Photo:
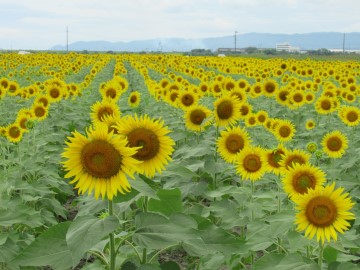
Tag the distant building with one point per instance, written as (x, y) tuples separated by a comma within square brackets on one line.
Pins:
[(24, 52), (224, 50), (286, 47)]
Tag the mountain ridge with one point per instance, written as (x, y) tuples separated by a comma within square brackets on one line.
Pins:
[(305, 41)]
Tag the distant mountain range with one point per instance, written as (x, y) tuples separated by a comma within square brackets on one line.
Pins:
[(309, 41)]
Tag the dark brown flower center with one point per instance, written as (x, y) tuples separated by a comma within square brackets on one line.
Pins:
[(334, 144), (234, 143), (147, 140), (252, 163), (225, 109), (100, 159), (197, 117), (321, 211), (302, 181)]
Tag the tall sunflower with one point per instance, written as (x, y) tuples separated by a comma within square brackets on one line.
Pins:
[(251, 164), (227, 110), (14, 133), (334, 144), (323, 211), (186, 99), (301, 177), (231, 142), (151, 136), (197, 117), (99, 162), (273, 158)]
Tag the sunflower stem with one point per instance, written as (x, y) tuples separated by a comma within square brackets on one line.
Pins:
[(251, 199), (144, 256), (279, 199), (145, 204), (321, 253), (112, 239)]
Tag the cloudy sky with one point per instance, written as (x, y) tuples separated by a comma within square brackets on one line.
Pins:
[(41, 24)]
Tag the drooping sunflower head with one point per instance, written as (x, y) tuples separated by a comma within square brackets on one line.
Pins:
[(323, 211), (227, 110), (301, 177), (231, 142), (197, 117), (334, 144), (152, 137), (99, 162), (251, 164)]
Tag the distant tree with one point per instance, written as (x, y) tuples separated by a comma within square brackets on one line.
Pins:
[(270, 51), (251, 50)]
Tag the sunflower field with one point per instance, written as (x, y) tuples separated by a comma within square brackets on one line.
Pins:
[(168, 162)]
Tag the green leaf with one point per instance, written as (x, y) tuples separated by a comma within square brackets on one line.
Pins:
[(330, 254), (170, 266), (174, 169), (128, 196), (50, 248), (149, 267), (86, 231), (268, 261), (170, 202), (143, 188)]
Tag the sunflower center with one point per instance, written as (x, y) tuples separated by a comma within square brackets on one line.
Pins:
[(298, 98), (225, 109), (234, 143), (100, 159), (39, 111), (352, 116), (275, 157), (14, 132), (133, 99), (293, 160), (252, 163), (22, 123), (261, 118), (321, 211), (44, 101), (284, 131), (326, 104), (334, 144), (244, 110), (147, 139), (111, 93), (269, 87), (187, 100), (283, 95), (197, 117), (174, 96), (104, 111), (302, 182), (54, 93)]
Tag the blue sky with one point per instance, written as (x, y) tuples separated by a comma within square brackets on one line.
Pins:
[(41, 24)]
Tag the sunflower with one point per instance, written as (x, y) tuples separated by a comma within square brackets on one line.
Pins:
[(273, 158), (245, 110), (324, 105), (334, 144), (134, 99), (99, 162), (296, 98), (14, 133), (231, 142), (227, 110), (251, 164), (151, 136), (197, 117), (251, 120), (323, 211), (282, 96), (39, 111), (261, 117), (270, 87), (284, 131), (104, 108), (186, 99), (350, 115), (54, 92), (301, 177), (111, 90), (310, 124), (292, 157)]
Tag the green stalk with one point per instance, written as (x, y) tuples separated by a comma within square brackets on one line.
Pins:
[(321, 253), (112, 239)]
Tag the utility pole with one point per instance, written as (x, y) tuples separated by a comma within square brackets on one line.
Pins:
[(235, 40), (344, 43), (67, 38)]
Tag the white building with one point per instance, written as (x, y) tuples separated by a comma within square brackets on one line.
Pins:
[(286, 47)]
